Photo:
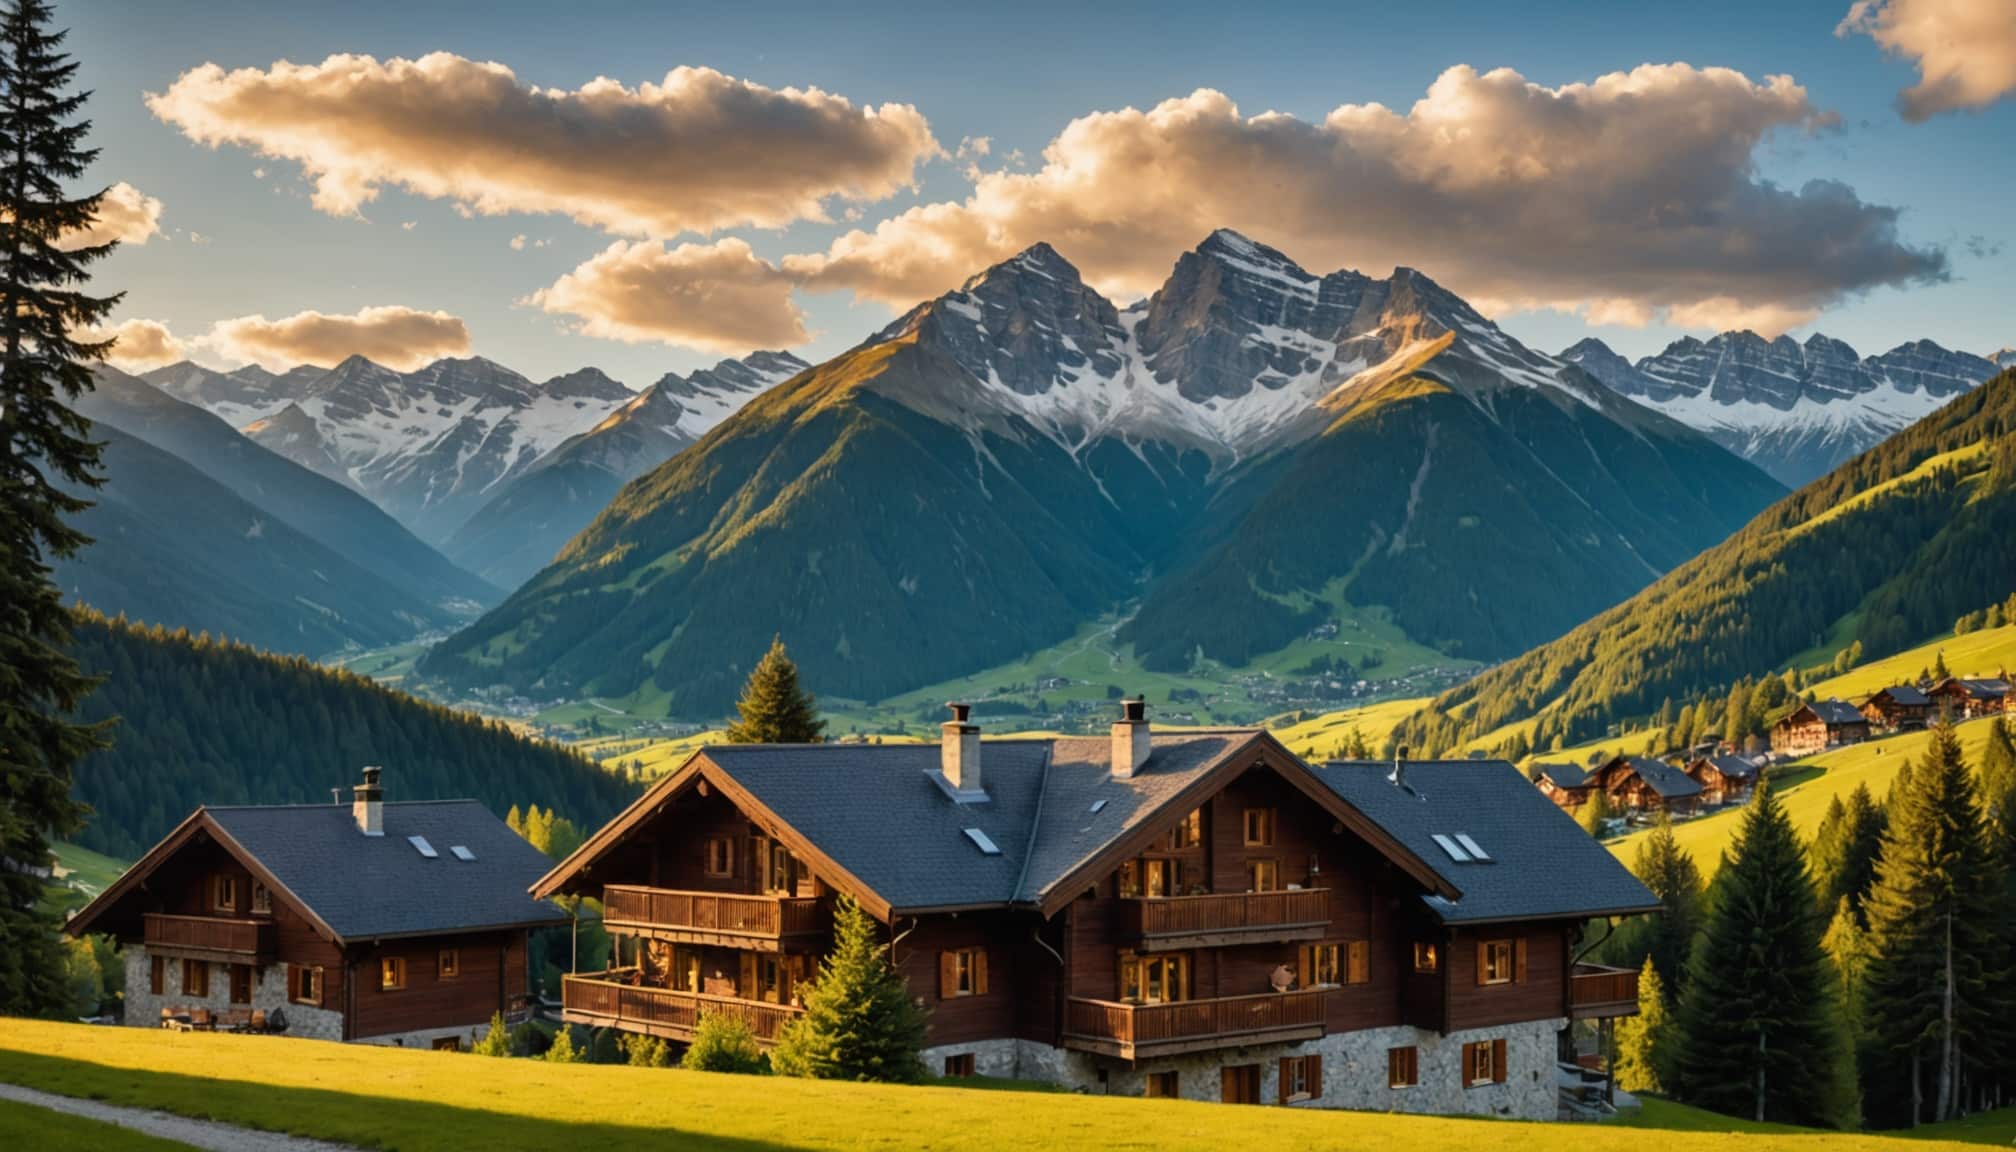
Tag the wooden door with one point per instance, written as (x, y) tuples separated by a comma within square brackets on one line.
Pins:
[(1240, 1084)]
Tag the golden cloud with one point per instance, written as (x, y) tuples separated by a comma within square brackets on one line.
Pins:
[(141, 344), (720, 297), (1965, 50), (398, 338), (126, 214)]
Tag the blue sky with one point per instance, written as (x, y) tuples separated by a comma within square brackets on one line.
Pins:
[(1018, 75)]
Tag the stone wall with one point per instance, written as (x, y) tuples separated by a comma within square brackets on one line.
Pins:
[(465, 1035), (269, 993), (1354, 1070)]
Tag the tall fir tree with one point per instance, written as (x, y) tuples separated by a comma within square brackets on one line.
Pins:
[(1668, 938), (773, 708), (1932, 988), (1998, 765), (1760, 1029), (1845, 849), (42, 443), (859, 1022), (1645, 1041), (1595, 813)]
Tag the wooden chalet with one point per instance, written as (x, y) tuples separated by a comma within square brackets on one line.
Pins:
[(1817, 727), (1963, 698), (401, 923), (1639, 784), (1898, 708), (1565, 784), (1724, 779), (1196, 913)]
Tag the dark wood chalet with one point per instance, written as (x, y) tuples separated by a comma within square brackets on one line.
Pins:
[(399, 923), (1817, 727), (1565, 784), (1898, 708), (1963, 698), (1724, 779), (1640, 784), (1194, 913)]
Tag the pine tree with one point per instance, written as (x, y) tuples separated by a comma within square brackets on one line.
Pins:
[(859, 1022), (1595, 813), (1760, 1033), (1644, 1041), (564, 1050), (1935, 947), (1671, 875), (1998, 765), (1848, 946), (1845, 848), (773, 708), (42, 443), (495, 1042)]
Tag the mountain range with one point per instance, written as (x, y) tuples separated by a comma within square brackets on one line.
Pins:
[(1004, 462), (1794, 409)]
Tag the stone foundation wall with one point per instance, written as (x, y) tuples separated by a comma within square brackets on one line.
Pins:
[(269, 994), (465, 1035)]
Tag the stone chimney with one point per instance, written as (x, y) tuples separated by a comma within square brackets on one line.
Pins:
[(959, 752), (1398, 777), (1130, 738), (368, 805)]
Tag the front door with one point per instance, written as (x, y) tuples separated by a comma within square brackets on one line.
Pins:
[(1240, 1084)]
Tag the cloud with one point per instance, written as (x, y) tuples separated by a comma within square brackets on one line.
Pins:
[(1632, 195), (719, 297), (142, 344), (1965, 50), (697, 152), (126, 214), (521, 242), (399, 338)]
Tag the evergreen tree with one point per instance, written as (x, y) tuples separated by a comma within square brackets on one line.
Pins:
[(42, 444), (564, 1050), (1848, 946), (773, 708), (722, 1042), (1845, 849), (495, 1042), (1670, 873), (1998, 765), (1644, 1041), (1760, 1033), (646, 1051), (859, 1022), (1595, 813), (1935, 947)]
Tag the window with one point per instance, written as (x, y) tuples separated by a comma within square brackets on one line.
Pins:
[(1301, 1078), (1161, 1085), (1154, 979), (1259, 827), (392, 973), (780, 873), (721, 856), (157, 974), (1403, 1067), (1151, 877), (262, 900), (1501, 961), (449, 965), (1347, 963), (1425, 958), (685, 973), (959, 1064), (307, 984), (962, 972), (775, 975), (195, 978), (1263, 875), (447, 1044), (1189, 834), (241, 983), (1484, 1063), (224, 893)]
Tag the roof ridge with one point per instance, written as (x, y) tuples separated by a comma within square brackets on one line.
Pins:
[(331, 804)]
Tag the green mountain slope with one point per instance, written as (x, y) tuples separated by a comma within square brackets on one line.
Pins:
[(216, 723), (1887, 549)]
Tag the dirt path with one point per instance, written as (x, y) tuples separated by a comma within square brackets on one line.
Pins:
[(207, 1134)]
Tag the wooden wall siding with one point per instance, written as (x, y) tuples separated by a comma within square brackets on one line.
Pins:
[(1541, 996), (958, 1020), (428, 1000)]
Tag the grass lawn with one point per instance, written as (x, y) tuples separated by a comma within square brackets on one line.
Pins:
[(1979, 653), (1322, 737), (24, 1126), (1671, 1117), (417, 1101)]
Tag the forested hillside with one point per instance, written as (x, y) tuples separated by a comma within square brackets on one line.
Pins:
[(207, 722), (1887, 549)]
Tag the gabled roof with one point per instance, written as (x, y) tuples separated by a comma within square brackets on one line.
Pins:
[(1734, 767), (1984, 688), (1564, 776), (1669, 782), (1542, 864), (358, 887), (1907, 695), (1827, 712)]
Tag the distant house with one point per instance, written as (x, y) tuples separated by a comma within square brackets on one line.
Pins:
[(1817, 727), (1898, 708), (385, 923), (1723, 779), (1639, 784), (1966, 699), (1565, 784)]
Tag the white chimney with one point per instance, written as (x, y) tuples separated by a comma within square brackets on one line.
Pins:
[(959, 752), (368, 806), (1131, 742)]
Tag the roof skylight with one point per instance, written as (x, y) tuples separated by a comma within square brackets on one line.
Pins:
[(462, 853), (1447, 845), (1471, 847), (421, 846), (981, 841)]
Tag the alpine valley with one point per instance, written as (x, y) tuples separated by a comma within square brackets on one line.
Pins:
[(1245, 456)]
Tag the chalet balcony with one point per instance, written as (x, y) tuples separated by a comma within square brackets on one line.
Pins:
[(221, 938), (1596, 991), (1139, 1031), (607, 999), (1167, 923), (753, 923)]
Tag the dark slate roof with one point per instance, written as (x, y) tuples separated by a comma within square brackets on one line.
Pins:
[(1542, 863), (372, 886), (1905, 694), (1982, 687), (1562, 775), (1837, 712), (1669, 782), (1734, 767)]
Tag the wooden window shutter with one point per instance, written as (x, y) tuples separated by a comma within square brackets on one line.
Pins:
[(1483, 956), (1498, 1061), (1282, 1080), (948, 975), (979, 971), (1313, 1066), (1519, 960), (745, 987), (1305, 965), (1358, 962)]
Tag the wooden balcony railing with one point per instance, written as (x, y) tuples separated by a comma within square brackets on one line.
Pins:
[(712, 915), (1136, 1030), (1595, 990), (222, 936), (607, 998), (1232, 917)]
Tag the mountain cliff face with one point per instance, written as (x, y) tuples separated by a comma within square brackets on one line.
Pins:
[(1004, 462), (523, 526), (1795, 410)]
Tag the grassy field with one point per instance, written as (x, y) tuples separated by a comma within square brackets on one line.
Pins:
[(87, 871), (417, 1101), (23, 1126), (1981, 653), (1322, 737)]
